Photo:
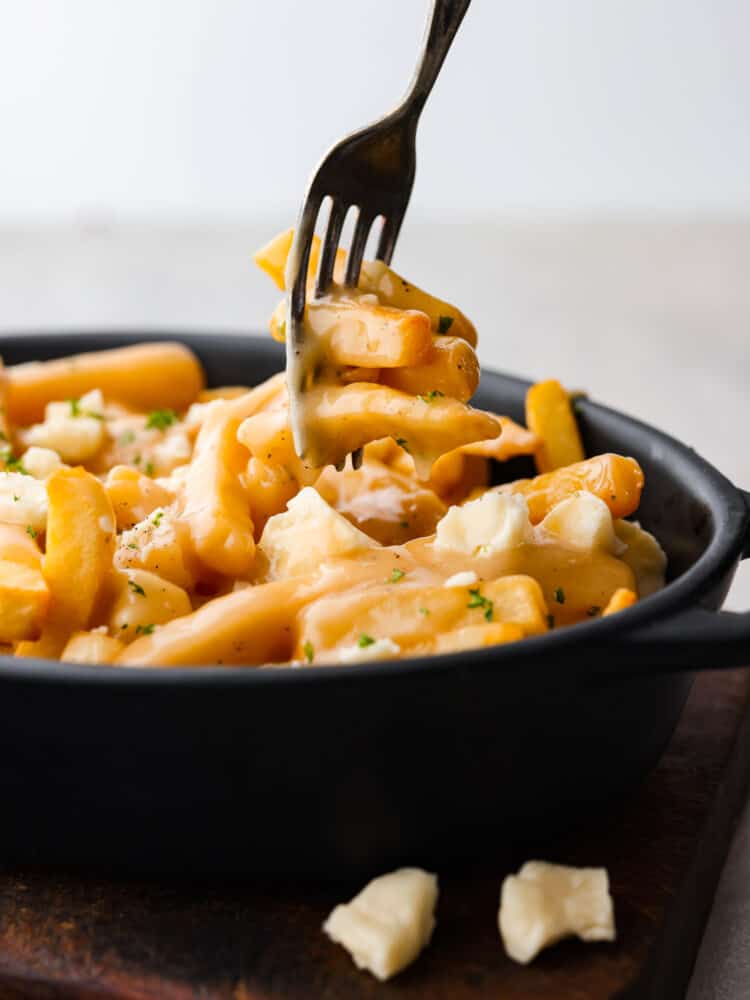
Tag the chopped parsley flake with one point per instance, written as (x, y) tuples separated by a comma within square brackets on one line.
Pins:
[(593, 611), (403, 524), (16, 498), (444, 324), (550, 621), (478, 600), (149, 468), (559, 595), (308, 650), (396, 575), (430, 396), (365, 640), (75, 407), (13, 464), (31, 531), (156, 519), (161, 419), (403, 443), (136, 588), (132, 545), (126, 438), (424, 611), (144, 629)]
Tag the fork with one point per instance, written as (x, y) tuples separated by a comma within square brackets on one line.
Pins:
[(373, 171)]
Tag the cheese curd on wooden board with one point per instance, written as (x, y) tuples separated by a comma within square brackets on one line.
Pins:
[(146, 520)]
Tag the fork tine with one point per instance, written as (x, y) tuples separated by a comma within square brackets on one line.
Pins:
[(357, 249), (388, 236), (330, 246)]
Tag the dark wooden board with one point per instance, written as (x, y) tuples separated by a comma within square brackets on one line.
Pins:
[(66, 935)]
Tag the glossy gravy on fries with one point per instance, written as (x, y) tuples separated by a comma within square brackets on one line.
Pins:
[(146, 520)]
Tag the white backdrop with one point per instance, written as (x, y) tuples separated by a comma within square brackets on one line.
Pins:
[(217, 109)]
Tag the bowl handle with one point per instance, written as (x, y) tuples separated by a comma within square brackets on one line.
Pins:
[(698, 638)]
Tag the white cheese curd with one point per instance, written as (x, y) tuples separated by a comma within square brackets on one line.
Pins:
[(544, 903), (174, 450), (381, 649), (40, 462), (74, 429), (583, 520), (465, 579), (308, 533), (388, 923), (644, 555), (23, 500), (197, 412), (493, 523)]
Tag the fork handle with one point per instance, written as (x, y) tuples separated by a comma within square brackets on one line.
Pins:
[(445, 18)]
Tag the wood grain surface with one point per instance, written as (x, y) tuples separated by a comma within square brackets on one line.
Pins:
[(92, 935)]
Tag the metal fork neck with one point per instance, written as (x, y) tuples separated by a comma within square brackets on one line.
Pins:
[(444, 21)]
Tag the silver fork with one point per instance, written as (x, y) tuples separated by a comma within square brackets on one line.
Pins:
[(372, 170)]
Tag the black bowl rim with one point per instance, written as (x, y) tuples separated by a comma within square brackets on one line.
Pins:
[(728, 510)]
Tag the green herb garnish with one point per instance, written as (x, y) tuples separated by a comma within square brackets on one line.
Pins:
[(478, 600), (593, 611), (550, 621), (126, 438), (13, 464), (75, 407), (430, 396), (424, 611), (31, 531), (144, 629), (157, 517), (365, 640), (396, 575), (308, 650), (444, 324), (559, 595), (136, 588), (149, 468), (161, 419), (403, 443)]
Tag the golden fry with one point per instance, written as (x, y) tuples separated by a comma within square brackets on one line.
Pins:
[(617, 480), (550, 416), (621, 599), (452, 368), (144, 377)]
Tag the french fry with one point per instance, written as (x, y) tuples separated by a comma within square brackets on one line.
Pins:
[(250, 626), (78, 559), (472, 637), (133, 495), (617, 480), (271, 258), (144, 376), (91, 647), (621, 599), (550, 416), (142, 601), (268, 437), (412, 616), (363, 333), (340, 420), (393, 290), (215, 502), (269, 489), (24, 598), (452, 368)]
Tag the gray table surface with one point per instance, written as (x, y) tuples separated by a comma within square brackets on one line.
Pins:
[(654, 319)]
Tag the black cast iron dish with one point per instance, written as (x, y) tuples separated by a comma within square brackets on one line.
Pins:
[(332, 771)]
